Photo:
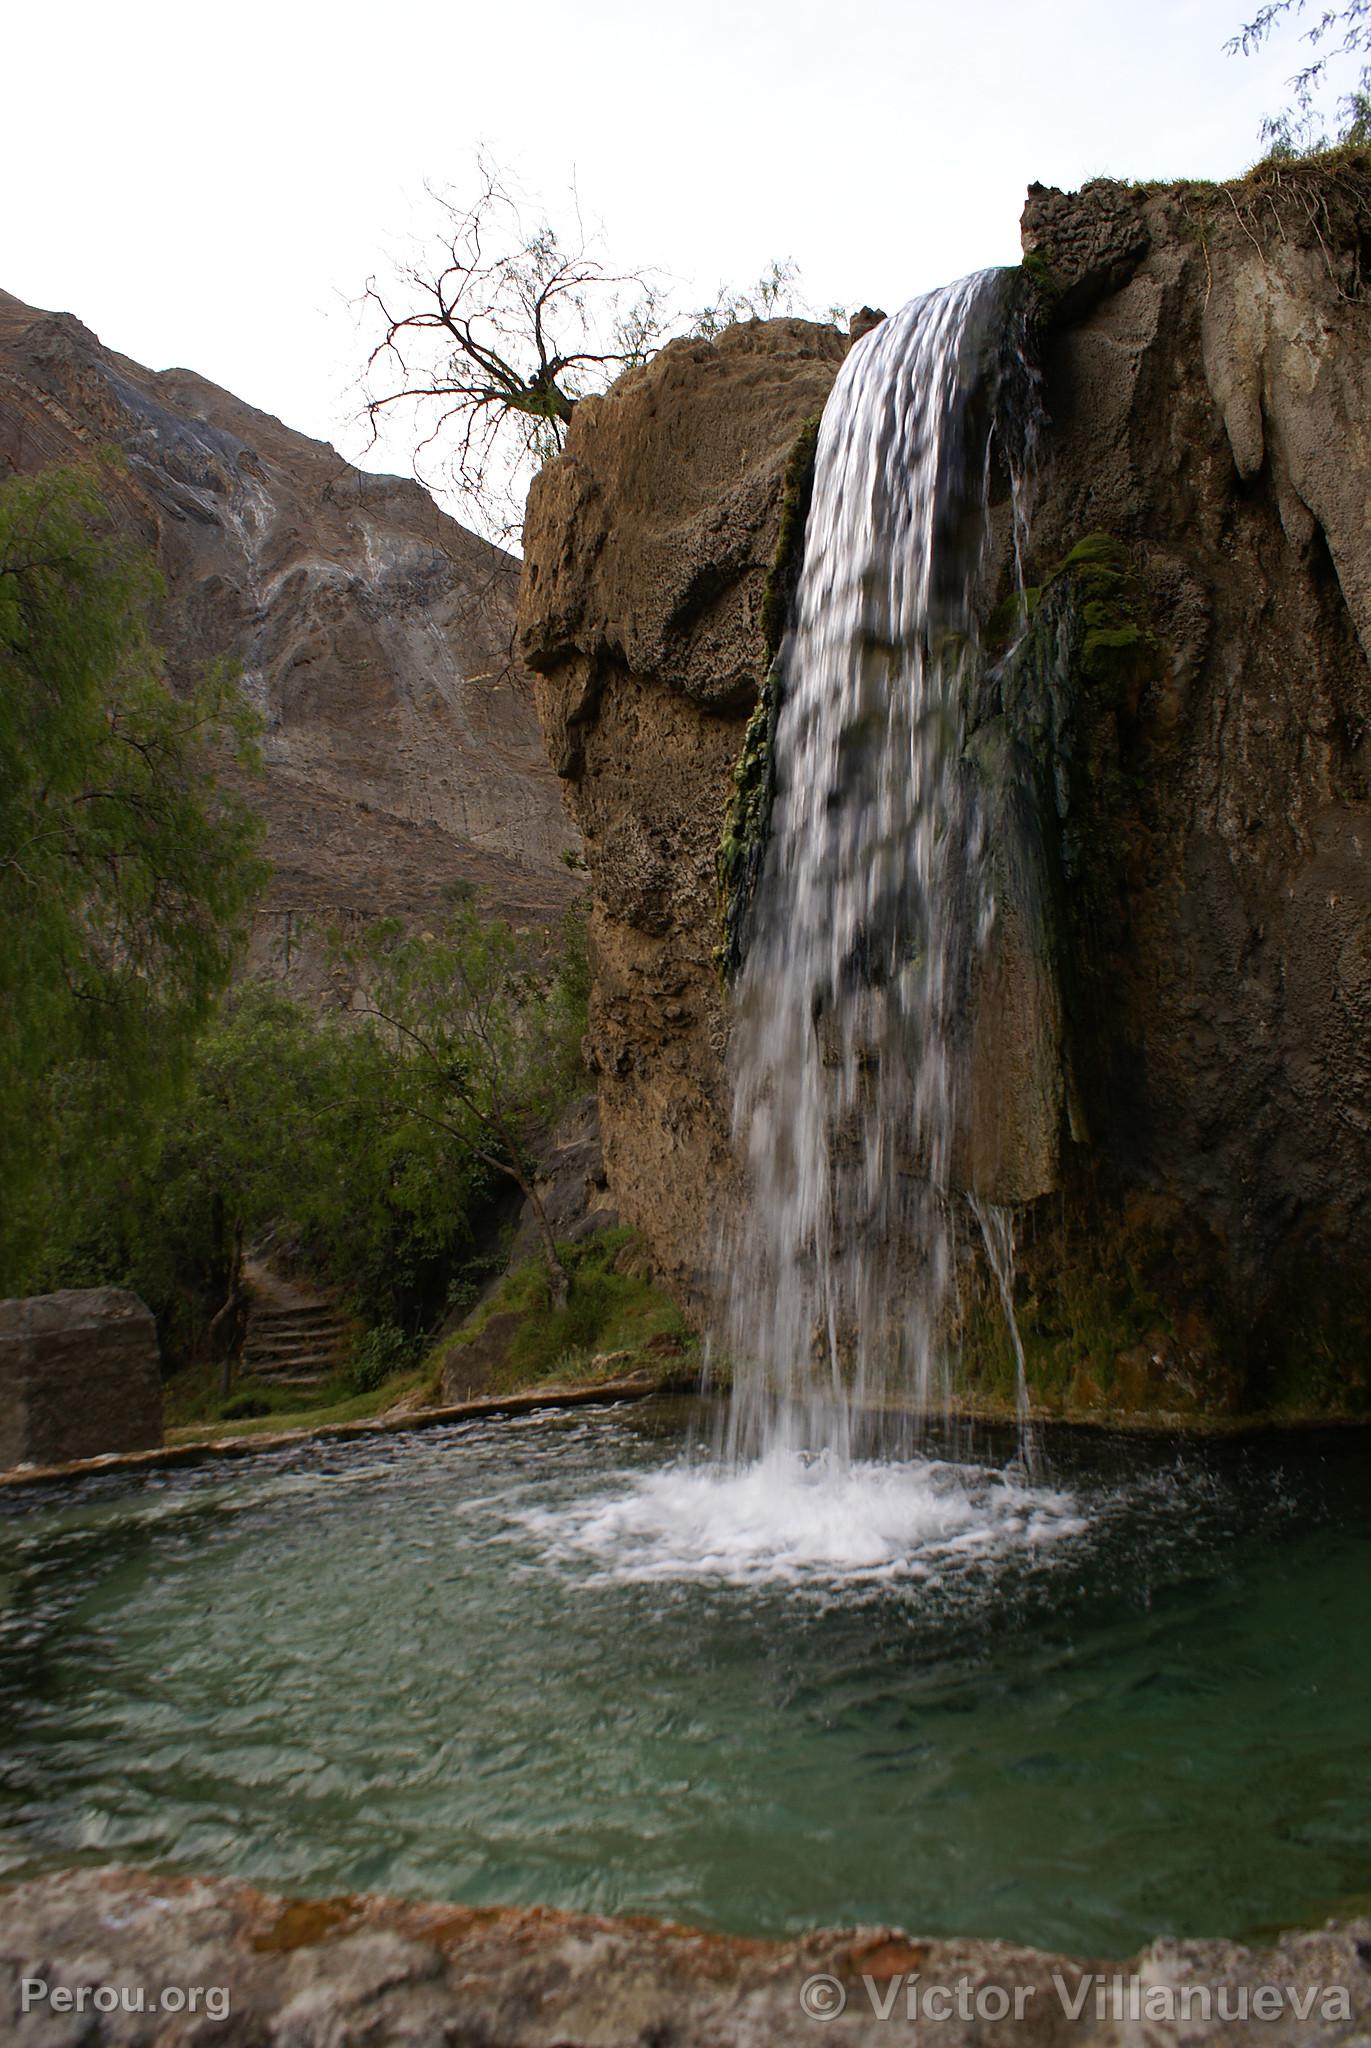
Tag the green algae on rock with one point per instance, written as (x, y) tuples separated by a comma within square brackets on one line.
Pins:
[(746, 829)]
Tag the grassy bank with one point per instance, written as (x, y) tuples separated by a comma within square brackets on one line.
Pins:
[(616, 1322)]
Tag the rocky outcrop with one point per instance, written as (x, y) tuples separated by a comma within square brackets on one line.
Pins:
[(570, 1182), (374, 633), (1208, 380), (647, 547), (80, 1375), (110, 1957), (1201, 538)]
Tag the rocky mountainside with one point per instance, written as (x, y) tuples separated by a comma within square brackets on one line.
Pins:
[(373, 631), (1199, 755)]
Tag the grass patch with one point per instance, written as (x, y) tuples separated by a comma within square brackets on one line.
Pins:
[(191, 1406), (614, 1307), (614, 1313)]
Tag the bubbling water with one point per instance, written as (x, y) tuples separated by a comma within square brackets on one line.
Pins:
[(814, 1522), (850, 1044)]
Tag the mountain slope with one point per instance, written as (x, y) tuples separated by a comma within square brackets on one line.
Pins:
[(374, 634)]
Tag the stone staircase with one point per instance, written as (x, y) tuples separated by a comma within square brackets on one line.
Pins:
[(295, 1336)]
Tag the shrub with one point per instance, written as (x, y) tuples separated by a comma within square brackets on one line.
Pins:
[(378, 1355)]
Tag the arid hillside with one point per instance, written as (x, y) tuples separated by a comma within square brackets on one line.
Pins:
[(373, 632)]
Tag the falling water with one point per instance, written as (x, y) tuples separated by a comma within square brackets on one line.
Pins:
[(851, 1046)]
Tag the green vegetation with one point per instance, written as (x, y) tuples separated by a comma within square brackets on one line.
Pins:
[(747, 827), (1117, 1312), (1116, 645), (1297, 129), (279, 1124), (155, 1121), (614, 1311), (616, 1321), (486, 1046), (1096, 1309), (349, 1138), (193, 1409), (797, 489), (1077, 655), (126, 871)]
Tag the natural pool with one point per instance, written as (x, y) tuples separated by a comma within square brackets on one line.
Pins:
[(552, 1660)]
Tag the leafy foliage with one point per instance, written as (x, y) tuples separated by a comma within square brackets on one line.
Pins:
[(126, 871), (1336, 32), (335, 1134), (282, 1126), (775, 295), (380, 1353), (486, 1039)]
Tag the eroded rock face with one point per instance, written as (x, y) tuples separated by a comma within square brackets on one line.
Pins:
[(80, 1375), (373, 631), (343, 1972), (1212, 410), (647, 546), (1207, 364)]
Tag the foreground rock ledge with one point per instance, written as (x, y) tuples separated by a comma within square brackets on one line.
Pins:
[(327, 1973)]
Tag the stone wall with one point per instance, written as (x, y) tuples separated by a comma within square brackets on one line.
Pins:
[(79, 1376)]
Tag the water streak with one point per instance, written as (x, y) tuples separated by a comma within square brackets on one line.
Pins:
[(851, 1049)]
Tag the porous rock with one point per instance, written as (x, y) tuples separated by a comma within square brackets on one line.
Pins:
[(79, 1376), (1206, 360), (357, 1972), (647, 545)]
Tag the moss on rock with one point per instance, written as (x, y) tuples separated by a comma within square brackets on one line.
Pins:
[(616, 1319), (747, 827)]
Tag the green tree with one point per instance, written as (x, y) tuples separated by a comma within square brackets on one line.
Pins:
[(1333, 33), (127, 871), (285, 1124), (487, 1040)]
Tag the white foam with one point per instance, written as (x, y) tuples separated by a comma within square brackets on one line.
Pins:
[(793, 1519)]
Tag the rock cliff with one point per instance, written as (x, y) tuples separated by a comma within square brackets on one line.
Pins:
[(1201, 550), (648, 543), (374, 633)]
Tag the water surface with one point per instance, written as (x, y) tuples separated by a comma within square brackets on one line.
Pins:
[(555, 1660)]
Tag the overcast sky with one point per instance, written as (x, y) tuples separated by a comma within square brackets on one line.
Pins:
[(210, 186)]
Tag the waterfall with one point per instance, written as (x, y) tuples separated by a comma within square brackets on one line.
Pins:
[(851, 1045)]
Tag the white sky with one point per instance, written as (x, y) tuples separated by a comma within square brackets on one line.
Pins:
[(209, 187)]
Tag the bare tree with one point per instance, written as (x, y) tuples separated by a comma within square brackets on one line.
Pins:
[(493, 332), (491, 336)]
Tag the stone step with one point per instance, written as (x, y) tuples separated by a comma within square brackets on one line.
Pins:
[(285, 1379), (300, 1320), (265, 1336), (282, 1368), (294, 1353), (289, 1360), (273, 1369)]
